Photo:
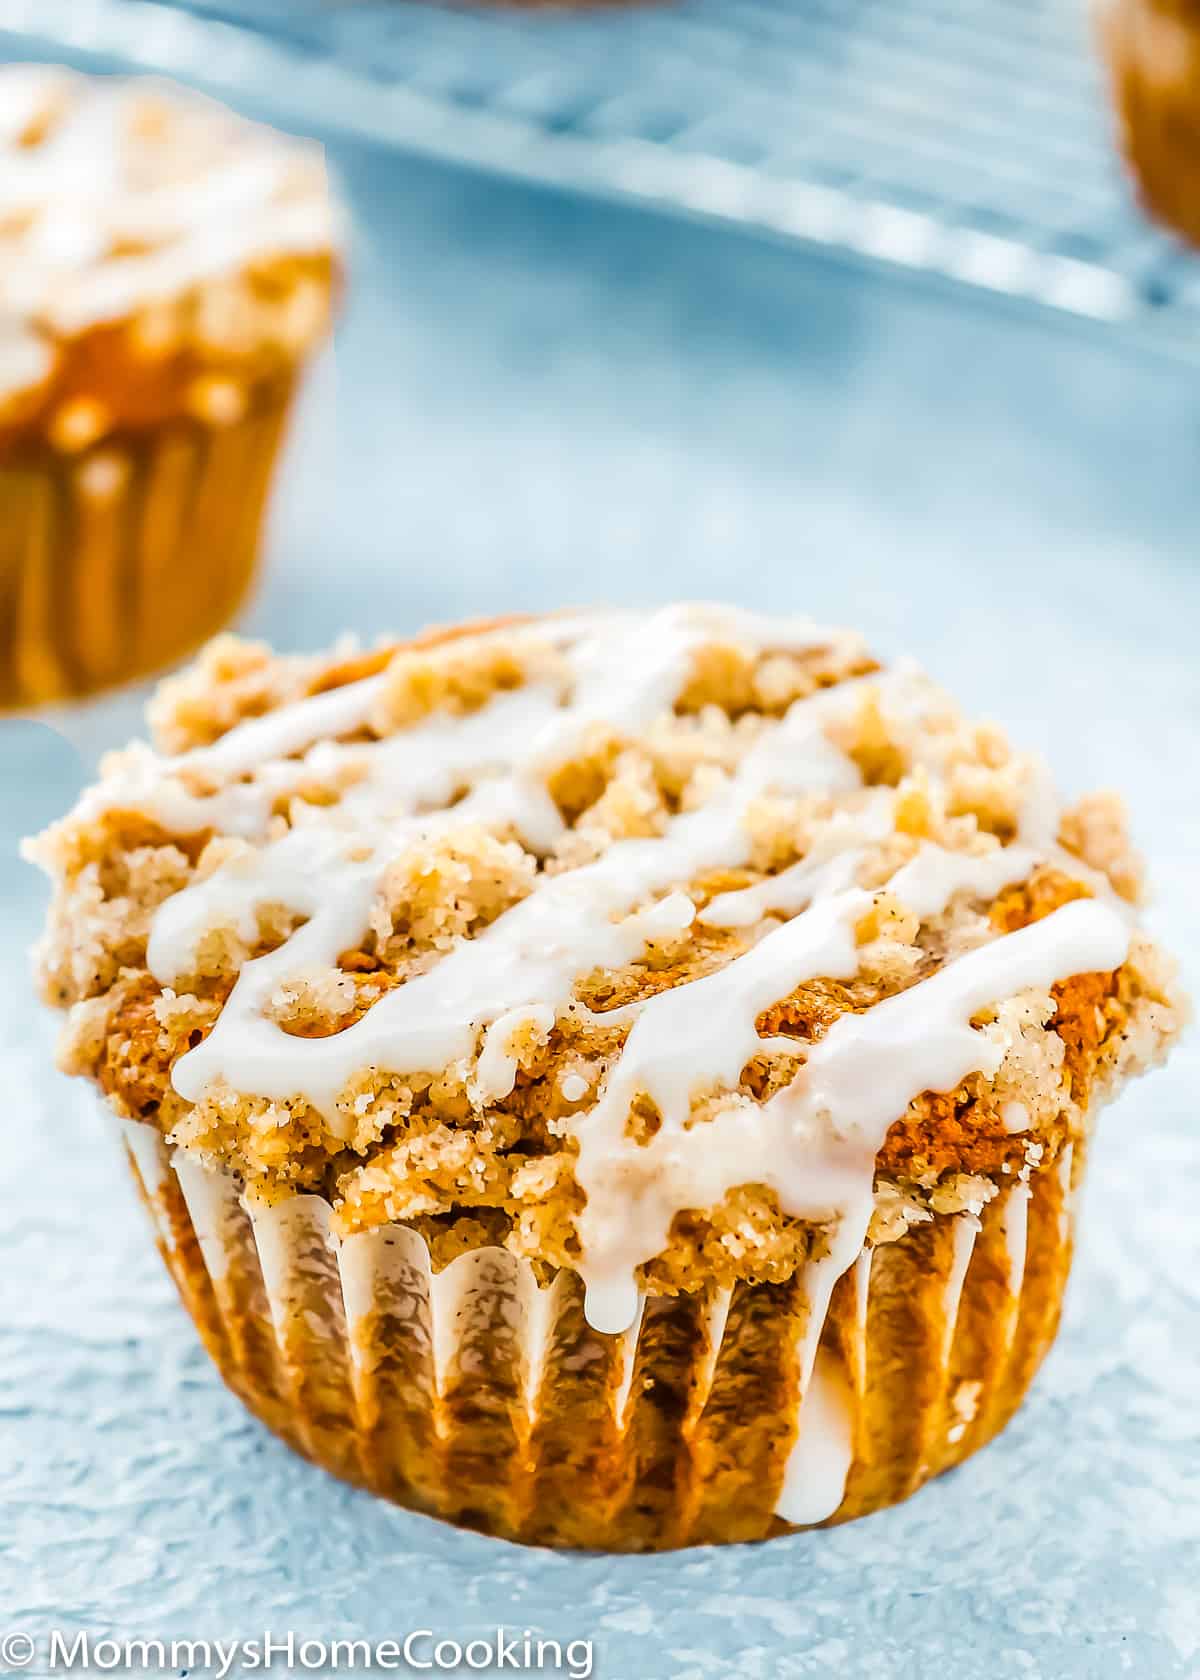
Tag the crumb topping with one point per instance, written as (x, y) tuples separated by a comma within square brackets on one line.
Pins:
[(162, 228), (686, 948)]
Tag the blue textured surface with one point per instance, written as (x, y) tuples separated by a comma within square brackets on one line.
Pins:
[(535, 403)]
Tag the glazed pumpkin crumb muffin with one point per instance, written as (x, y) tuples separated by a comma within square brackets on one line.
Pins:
[(166, 270), (1153, 52), (611, 1079)]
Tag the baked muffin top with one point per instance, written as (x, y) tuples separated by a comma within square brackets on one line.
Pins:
[(117, 196), (674, 948)]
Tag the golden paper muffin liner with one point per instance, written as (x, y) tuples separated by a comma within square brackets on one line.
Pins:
[(119, 559), (477, 1396), (1153, 50)]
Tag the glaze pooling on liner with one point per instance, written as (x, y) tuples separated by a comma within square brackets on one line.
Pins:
[(813, 1143)]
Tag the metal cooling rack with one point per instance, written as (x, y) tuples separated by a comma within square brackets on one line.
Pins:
[(965, 138)]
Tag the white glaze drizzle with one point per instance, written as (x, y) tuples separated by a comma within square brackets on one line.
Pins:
[(830, 864), (532, 956), (26, 91), (26, 360), (419, 770), (814, 1143), (965, 1232), (214, 1209), (927, 884), (1016, 1228), (716, 1317), (285, 731), (150, 1157), (259, 764), (1070, 1192), (815, 1477)]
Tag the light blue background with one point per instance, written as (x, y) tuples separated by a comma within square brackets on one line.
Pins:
[(536, 401)]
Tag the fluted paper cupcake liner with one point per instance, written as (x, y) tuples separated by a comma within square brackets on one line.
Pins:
[(476, 1395), (118, 560)]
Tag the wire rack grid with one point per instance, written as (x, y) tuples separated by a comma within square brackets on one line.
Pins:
[(964, 138)]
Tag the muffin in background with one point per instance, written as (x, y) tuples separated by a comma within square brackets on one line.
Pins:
[(166, 270), (613, 1080), (1153, 50)]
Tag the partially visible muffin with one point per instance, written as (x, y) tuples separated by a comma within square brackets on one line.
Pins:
[(1153, 50), (614, 1079), (166, 270)]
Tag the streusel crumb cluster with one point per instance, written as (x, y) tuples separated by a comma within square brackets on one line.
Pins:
[(436, 1147)]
